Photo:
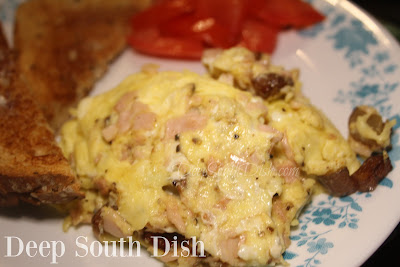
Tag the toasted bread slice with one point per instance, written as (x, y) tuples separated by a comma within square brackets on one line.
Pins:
[(64, 46), (32, 167)]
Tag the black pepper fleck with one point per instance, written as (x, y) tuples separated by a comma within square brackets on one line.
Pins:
[(177, 137), (178, 148), (193, 88), (196, 141), (236, 136)]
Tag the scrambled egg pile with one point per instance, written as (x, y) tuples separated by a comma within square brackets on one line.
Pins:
[(170, 152)]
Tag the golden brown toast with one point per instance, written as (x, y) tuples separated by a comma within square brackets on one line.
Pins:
[(64, 46), (32, 167)]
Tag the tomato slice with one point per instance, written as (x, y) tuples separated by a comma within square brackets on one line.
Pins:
[(161, 12), (149, 41), (230, 14), (147, 38), (257, 36), (288, 13), (208, 30), (183, 28)]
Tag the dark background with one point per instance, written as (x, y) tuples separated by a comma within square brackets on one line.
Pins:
[(388, 13)]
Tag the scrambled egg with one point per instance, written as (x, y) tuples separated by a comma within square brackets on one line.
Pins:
[(169, 152), (316, 145), (156, 131)]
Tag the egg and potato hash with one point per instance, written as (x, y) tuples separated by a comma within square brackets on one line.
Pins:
[(177, 153)]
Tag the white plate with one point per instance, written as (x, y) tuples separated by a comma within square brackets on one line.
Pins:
[(346, 61)]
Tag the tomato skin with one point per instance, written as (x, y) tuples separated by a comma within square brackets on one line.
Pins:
[(259, 37), (149, 41), (161, 12), (288, 13), (208, 30), (147, 38), (184, 28), (230, 14)]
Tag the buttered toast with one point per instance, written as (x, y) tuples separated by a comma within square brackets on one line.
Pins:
[(64, 46), (32, 167)]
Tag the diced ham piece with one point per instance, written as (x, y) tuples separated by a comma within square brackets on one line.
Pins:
[(229, 249), (125, 101), (278, 208), (255, 158), (137, 116), (175, 217), (191, 121), (133, 114), (109, 132), (268, 129), (288, 150), (124, 121), (213, 165), (144, 121), (257, 106), (109, 220), (222, 204)]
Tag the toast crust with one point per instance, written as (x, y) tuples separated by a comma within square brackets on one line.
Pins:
[(65, 46), (32, 167)]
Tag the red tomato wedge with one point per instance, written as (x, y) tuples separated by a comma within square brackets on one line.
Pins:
[(184, 28), (288, 13), (259, 37), (161, 12), (228, 13), (208, 30), (149, 41)]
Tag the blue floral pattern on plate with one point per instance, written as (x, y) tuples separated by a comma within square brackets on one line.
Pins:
[(372, 65)]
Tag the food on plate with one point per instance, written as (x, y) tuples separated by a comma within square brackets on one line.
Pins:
[(367, 131), (365, 179), (180, 153), (230, 158), (184, 28), (32, 166), (65, 46), (318, 147)]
